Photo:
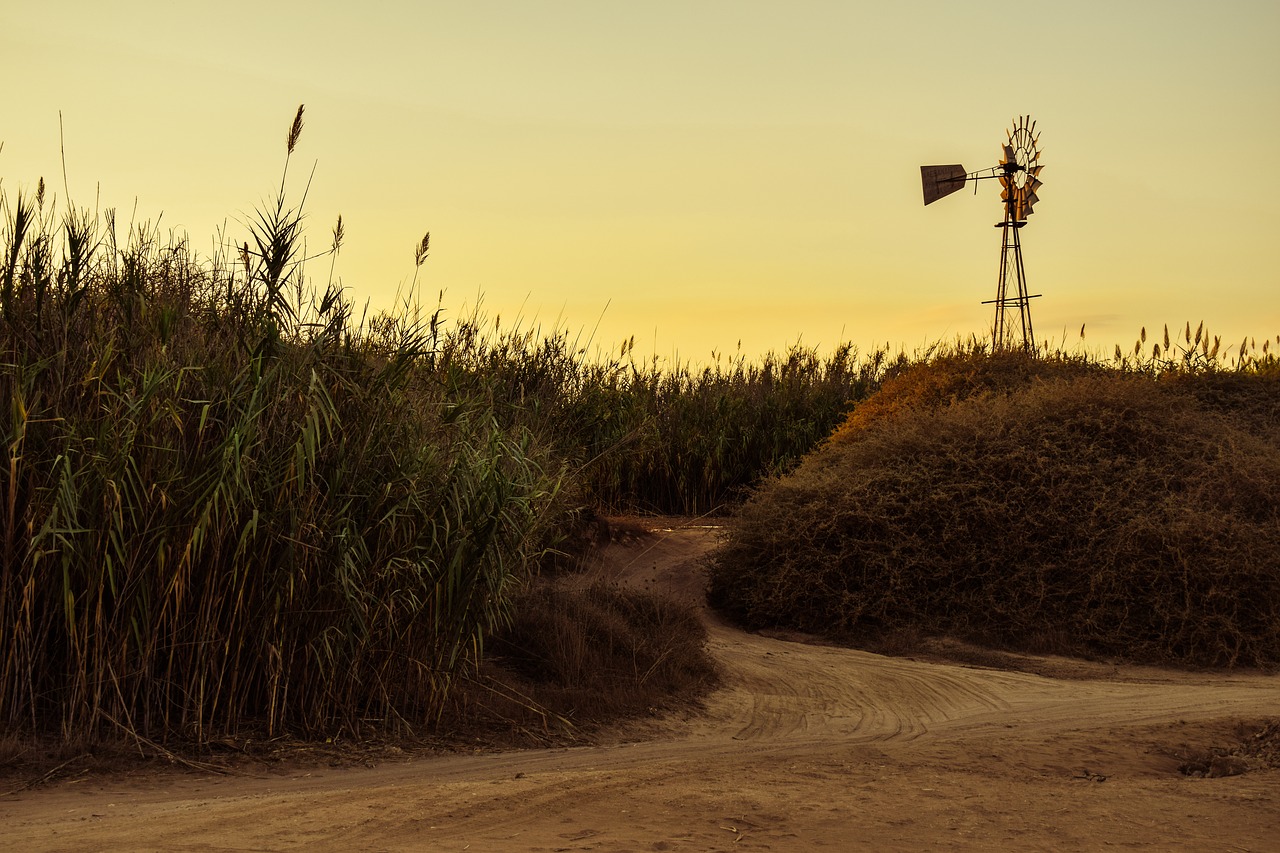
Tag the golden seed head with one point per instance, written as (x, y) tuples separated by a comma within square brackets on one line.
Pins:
[(421, 254), (338, 233), (295, 130)]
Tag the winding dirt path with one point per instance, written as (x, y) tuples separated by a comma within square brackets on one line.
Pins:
[(806, 747)]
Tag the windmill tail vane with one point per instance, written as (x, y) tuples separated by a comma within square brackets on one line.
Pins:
[(1019, 175)]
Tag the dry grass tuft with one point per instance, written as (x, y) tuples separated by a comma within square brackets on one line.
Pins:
[(598, 653)]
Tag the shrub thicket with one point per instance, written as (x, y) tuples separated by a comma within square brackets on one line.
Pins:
[(1037, 504)]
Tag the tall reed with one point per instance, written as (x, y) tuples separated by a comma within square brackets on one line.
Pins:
[(226, 505)]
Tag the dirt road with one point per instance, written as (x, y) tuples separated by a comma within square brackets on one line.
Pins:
[(807, 747)]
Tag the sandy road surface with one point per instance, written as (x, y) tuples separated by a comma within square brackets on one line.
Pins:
[(807, 747)]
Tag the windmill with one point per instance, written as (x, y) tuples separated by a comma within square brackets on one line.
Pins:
[(1019, 174)]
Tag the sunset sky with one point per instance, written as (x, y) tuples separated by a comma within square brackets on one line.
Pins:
[(691, 173)]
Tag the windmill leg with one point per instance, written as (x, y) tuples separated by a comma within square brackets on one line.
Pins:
[(1001, 334), (997, 326), (1024, 297)]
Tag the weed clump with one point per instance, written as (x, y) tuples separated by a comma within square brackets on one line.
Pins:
[(1042, 505), (600, 652)]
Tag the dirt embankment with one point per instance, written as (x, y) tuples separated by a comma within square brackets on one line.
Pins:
[(806, 747)]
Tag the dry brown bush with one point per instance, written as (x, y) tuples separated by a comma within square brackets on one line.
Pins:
[(954, 375), (586, 656), (1068, 510)]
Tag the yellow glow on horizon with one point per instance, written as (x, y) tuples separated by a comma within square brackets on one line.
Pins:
[(712, 172)]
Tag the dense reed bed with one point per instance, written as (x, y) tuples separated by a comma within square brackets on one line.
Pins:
[(226, 505), (231, 506), (650, 437)]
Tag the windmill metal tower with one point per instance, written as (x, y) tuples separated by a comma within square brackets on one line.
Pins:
[(1019, 175)]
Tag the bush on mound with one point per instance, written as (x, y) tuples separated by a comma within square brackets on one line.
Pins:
[(1068, 510)]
